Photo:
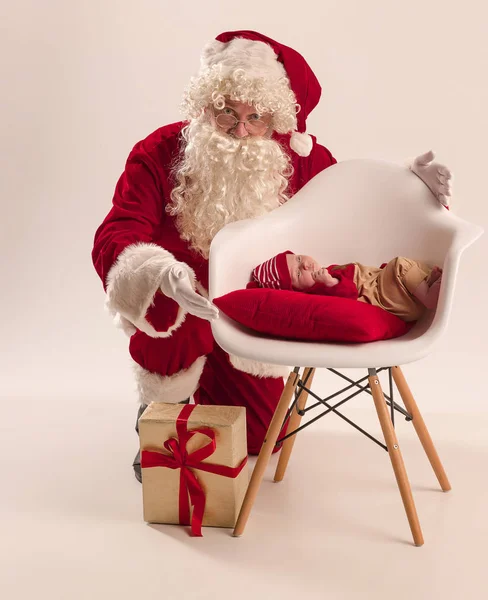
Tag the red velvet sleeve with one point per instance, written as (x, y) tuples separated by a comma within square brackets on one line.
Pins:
[(135, 215)]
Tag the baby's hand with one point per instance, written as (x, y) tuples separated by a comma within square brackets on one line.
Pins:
[(323, 276)]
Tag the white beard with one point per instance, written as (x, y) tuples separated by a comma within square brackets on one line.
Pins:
[(221, 179)]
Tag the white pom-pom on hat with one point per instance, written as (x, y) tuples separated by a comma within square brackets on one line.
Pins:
[(301, 143)]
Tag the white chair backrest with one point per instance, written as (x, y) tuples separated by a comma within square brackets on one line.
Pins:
[(358, 210)]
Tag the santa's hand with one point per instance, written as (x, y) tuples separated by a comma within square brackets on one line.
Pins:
[(176, 284), (437, 177)]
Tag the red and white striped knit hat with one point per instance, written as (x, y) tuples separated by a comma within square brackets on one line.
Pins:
[(273, 273)]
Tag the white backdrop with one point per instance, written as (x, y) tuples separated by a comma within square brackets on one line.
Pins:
[(83, 82)]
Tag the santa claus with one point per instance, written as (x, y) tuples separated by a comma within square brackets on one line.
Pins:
[(241, 151)]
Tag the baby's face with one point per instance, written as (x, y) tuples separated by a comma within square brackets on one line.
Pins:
[(302, 270)]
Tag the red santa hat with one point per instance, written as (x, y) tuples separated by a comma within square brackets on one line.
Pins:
[(252, 68), (273, 273)]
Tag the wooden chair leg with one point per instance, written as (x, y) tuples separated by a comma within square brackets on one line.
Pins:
[(420, 428), (265, 453), (293, 424), (396, 459)]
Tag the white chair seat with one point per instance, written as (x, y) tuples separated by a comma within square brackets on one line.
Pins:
[(358, 210)]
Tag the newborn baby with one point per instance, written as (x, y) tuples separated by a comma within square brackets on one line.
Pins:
[(404, 287)]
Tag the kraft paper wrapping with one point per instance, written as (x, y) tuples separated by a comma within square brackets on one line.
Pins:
[(160, 485)]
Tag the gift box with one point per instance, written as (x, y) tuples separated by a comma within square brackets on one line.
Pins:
[(194, 464)]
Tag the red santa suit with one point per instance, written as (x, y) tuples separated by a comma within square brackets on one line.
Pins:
[(174, 352)]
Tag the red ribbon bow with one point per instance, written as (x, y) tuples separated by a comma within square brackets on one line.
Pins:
[(191, 490)]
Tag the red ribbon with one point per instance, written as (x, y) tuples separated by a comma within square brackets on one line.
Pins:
[(191, 491)]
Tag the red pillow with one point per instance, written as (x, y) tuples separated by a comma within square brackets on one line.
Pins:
[(300, 316)]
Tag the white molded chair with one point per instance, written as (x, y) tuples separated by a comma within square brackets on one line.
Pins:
[(358, 210)]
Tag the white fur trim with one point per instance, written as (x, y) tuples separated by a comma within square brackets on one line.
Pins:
[(201, 290), (258, 369), (133, 281), (153, 387), (252, 56), (122, 323), (301, 143)]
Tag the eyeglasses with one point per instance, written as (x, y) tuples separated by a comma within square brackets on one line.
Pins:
[(254, 127)]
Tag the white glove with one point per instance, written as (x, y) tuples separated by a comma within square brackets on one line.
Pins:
[(176, 284), (437, 177)]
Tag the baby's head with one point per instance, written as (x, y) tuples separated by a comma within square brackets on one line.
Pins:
[(302, 270), (287, 271)]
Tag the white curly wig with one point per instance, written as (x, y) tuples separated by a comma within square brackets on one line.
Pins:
[(245, 71)]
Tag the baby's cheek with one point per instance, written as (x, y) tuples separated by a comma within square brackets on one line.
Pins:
[(310, 281)]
